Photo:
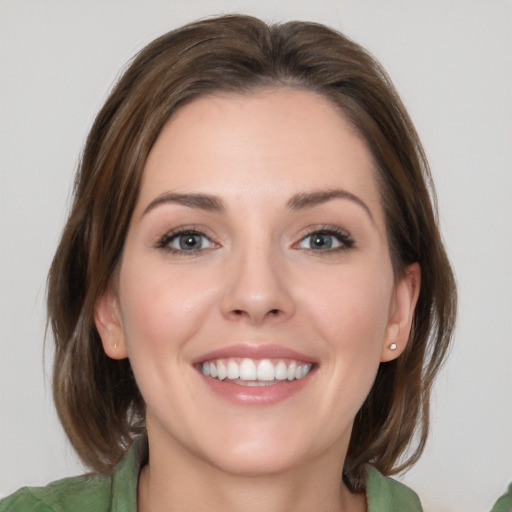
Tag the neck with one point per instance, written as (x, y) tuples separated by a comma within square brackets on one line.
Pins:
[(176, 480)]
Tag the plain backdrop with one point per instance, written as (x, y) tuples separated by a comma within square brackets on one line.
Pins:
[(451, 61)]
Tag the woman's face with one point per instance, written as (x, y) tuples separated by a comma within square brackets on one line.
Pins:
[(255, 296)]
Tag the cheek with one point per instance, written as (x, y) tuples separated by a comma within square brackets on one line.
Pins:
[(344, 313), (161, 307), (350, 314), (351, 308)]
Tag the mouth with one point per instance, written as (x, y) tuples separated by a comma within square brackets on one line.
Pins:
[(255, 372), (249, 374)]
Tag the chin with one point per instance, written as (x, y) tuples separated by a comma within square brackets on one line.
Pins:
[(263, 450), (257, 462)]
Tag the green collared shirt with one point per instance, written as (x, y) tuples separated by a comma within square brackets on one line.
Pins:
[(504, 504), (118, 492)]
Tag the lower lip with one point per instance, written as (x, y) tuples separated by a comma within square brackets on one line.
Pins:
[(255, 395)]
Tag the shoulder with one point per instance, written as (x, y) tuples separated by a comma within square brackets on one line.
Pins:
[(89, 493), (387, 495), (84, 493), (504, 504)]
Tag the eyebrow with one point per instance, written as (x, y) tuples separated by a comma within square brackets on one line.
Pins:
[(199, 201), (215, 204), (311, 199)]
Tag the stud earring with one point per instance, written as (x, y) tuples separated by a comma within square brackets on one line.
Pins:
[(392, 346), (115, 345)]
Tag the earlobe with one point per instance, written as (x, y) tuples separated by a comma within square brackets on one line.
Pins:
[(108, 323), (402, 313)]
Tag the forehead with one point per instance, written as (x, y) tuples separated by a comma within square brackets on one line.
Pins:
[(294, 140)]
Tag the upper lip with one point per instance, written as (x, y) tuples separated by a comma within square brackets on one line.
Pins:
[(252, 351)]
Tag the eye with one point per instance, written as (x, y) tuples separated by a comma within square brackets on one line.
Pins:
[(326, 240), (186, 241)]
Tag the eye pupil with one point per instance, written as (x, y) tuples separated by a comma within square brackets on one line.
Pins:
[(189, 241), (321, 241)]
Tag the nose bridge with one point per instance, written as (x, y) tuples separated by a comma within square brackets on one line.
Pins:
[(257, 288)]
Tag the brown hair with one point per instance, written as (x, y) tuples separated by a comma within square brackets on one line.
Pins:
[(97, 399)]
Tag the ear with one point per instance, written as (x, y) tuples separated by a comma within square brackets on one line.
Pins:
[(405, 297), (108, 323)]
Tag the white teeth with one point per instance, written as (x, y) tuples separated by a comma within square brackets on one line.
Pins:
[(255, 373), (281, 372), (305, 369), (291, 371), (233, 370), (247, 370), (221, 370), (265, 370)]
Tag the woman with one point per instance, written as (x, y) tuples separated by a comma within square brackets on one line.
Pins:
[(251, 299)]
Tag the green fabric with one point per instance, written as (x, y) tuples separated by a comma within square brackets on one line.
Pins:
[(387, 495), (88, 493), (118, 492), (504, 504)]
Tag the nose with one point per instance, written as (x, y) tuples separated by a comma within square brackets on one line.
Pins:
[(257, 288)]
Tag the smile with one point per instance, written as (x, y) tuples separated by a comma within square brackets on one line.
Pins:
[(253, 372)]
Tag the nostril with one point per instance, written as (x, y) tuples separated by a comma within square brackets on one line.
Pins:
[(270, 313)]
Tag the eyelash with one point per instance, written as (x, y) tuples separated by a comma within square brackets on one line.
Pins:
[(168, 238), (342, 237)]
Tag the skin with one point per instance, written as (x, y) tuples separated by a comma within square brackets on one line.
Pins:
[(257, 280)]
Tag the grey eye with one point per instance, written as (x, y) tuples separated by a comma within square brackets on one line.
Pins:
[(320, 241), (187, 242)]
